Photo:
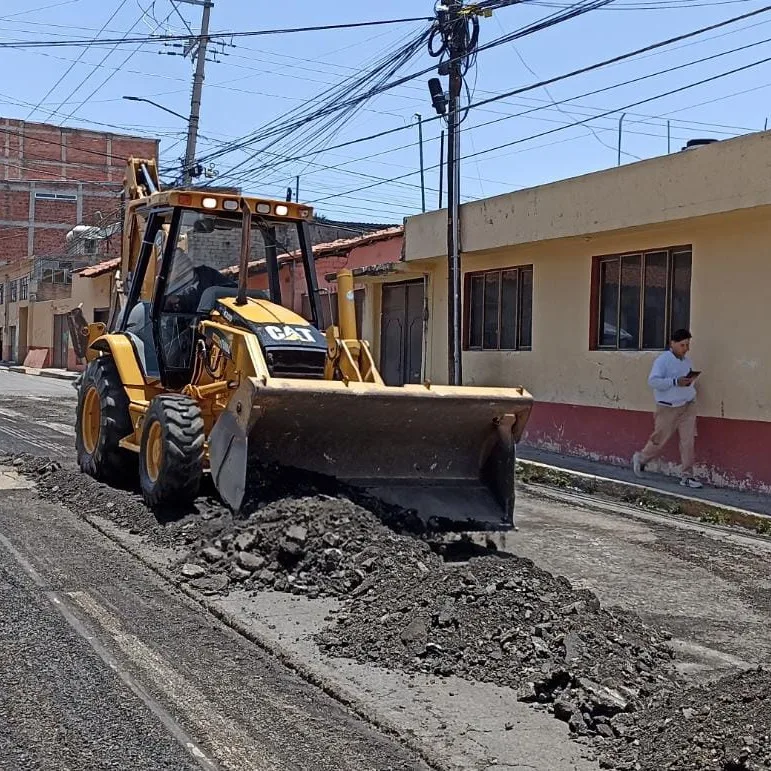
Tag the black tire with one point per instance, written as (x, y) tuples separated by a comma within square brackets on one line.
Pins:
[(102, 457), (176, 478)]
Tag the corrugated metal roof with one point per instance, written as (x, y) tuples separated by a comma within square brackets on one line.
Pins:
[(92, 271)]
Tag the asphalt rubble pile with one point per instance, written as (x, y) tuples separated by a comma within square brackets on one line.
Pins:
[(501, 619), (316, 545), (724, 725), (304, 541)]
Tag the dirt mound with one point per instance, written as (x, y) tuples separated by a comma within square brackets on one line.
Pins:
[(505, 621), (724, 725), (305, 543)]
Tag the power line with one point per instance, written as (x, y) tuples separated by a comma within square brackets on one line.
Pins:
[(354, 102), (92, 72), (111, 75), (533, 86), (616, 110), (80, 56), (211, 36)]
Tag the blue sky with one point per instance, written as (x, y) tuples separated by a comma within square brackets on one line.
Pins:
[(258, 79)]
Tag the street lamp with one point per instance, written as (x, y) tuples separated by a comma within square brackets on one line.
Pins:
[(155, 104)]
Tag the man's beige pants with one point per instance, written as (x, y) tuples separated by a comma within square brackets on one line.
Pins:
[(667, 421)]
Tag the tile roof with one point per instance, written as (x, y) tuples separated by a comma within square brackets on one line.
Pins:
[(341, 246), (92, 271)]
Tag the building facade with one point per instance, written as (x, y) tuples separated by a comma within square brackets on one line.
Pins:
[(571, 290), (59, 210), (53, 178)]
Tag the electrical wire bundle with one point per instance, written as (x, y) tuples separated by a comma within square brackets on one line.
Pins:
[(276, 146), (307, 128)]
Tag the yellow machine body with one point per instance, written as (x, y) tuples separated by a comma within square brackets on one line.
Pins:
[(272, 388)]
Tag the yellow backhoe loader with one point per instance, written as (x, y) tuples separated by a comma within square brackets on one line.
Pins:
[(196, 373)]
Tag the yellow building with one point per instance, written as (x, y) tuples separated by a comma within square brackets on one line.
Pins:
[(35, 297), (571, 290)]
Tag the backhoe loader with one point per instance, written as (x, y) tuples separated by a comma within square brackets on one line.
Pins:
[(196, 373)]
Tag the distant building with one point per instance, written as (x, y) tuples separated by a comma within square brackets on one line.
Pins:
[(53, 178), (60, 209)]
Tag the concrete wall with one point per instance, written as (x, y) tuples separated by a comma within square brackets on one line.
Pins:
[(722, 177)]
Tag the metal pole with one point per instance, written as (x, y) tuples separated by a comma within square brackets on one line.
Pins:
[(620, 123), (669, 139), (453, 199), (297, 189), (422, 167), (441, 169), (195, 102)]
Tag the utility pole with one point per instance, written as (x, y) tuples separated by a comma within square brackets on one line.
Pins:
[(196, 47), (456, 52), (422, 165), (441, 169)]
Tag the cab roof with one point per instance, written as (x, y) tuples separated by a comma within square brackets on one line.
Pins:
[(223, 202)]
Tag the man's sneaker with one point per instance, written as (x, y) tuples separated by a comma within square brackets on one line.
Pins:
[(694, 484), (637, 465)]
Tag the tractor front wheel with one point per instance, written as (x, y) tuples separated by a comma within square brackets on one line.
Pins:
[(103, 419), (171, 455)]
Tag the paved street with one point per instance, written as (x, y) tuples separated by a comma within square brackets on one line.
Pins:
[(36, 415), (104, 666)]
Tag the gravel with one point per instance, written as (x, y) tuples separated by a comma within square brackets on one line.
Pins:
[(505, 621)]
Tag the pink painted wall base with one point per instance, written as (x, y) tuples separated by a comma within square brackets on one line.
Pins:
[(729, 453)]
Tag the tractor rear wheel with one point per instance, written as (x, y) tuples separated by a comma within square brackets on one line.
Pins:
[(171, 456), (103, 419)]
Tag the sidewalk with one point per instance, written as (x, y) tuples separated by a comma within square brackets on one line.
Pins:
[(59, 374), (717, 504)]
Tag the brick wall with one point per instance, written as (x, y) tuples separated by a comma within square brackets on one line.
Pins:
[(47, 291), (221, 249), (39, 162)]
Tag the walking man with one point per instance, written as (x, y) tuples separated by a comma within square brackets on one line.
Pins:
[(672, 379)]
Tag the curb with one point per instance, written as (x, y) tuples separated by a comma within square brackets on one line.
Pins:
[(50, 373), (649, 498)]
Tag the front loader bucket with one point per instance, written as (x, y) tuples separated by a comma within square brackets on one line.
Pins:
[(446, 453)]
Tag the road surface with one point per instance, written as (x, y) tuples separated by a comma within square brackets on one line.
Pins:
[(36, 415), (104, 666)]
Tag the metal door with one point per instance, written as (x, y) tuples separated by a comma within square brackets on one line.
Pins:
[(401, 333), (61, 341)]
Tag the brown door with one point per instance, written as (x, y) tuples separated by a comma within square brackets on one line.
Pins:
[(401, 333), (61, 341), (12, 344)]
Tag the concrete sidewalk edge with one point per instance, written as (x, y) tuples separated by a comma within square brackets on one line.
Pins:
[(52, 373), (650, 498)]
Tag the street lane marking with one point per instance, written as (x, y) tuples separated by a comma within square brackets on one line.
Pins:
[(232, 746), (15, 416), (157, 709)]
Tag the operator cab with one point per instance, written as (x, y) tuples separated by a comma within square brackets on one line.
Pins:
[(198, 260)]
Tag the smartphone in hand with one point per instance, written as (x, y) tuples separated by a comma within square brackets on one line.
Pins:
[(693, 374)]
